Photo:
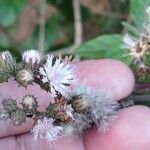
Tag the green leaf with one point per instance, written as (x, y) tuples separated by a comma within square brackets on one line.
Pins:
[(137, 10), (132, 29), (105, 46), (9, 10)]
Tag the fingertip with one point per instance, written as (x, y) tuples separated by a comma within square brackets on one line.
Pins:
[(108, 74), (130, 131)]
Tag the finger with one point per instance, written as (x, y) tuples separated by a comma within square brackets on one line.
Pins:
[(131, 131), (108, 74), (26, 142), (99, 74), (9, 143)]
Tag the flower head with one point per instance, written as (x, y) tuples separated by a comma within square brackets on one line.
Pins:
[(138, 48), (96, 105), (45, 129), (58, 74)]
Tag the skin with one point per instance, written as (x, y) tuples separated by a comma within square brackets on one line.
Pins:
[(130, 131)]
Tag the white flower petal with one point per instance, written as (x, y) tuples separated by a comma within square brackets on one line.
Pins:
[(60, 74), (45, 129)]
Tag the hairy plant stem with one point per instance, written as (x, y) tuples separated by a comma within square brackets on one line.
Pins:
[(142, 87), (140, 96)]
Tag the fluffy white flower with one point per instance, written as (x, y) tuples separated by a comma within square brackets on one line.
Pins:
[(99, 107), (138, 48), (45, 129), (31, 56), (59, 74)]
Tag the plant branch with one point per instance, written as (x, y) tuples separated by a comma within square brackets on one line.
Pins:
[(77, 23), (140, 98), (78, 30), (141, 88), (42, 25)]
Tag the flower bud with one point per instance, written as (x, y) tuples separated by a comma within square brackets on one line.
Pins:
[(7, 66), (18, 117), (31, 58), (9, 105), (5, 57), (29, 102), (24, 77)]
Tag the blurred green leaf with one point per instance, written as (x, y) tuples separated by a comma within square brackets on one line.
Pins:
[(4, 41), (105, 46), (9, 10), (132, 29), (137, 10), (65, 8)]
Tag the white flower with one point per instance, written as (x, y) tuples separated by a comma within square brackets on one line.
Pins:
[(32, 56), (138, 48), (45, 129), (59, 74)]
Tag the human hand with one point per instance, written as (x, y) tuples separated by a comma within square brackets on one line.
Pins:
[(130, 131)]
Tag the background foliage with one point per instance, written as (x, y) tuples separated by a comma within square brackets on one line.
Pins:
[(104, 22)]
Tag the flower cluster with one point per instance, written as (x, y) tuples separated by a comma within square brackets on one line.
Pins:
[(74, 109), (139, 47)]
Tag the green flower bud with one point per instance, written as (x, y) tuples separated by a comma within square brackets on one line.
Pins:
[(9, 105), (7, 66), (18, 117)]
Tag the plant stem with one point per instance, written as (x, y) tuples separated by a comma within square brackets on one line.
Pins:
[(77, 23), (42, 26)]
